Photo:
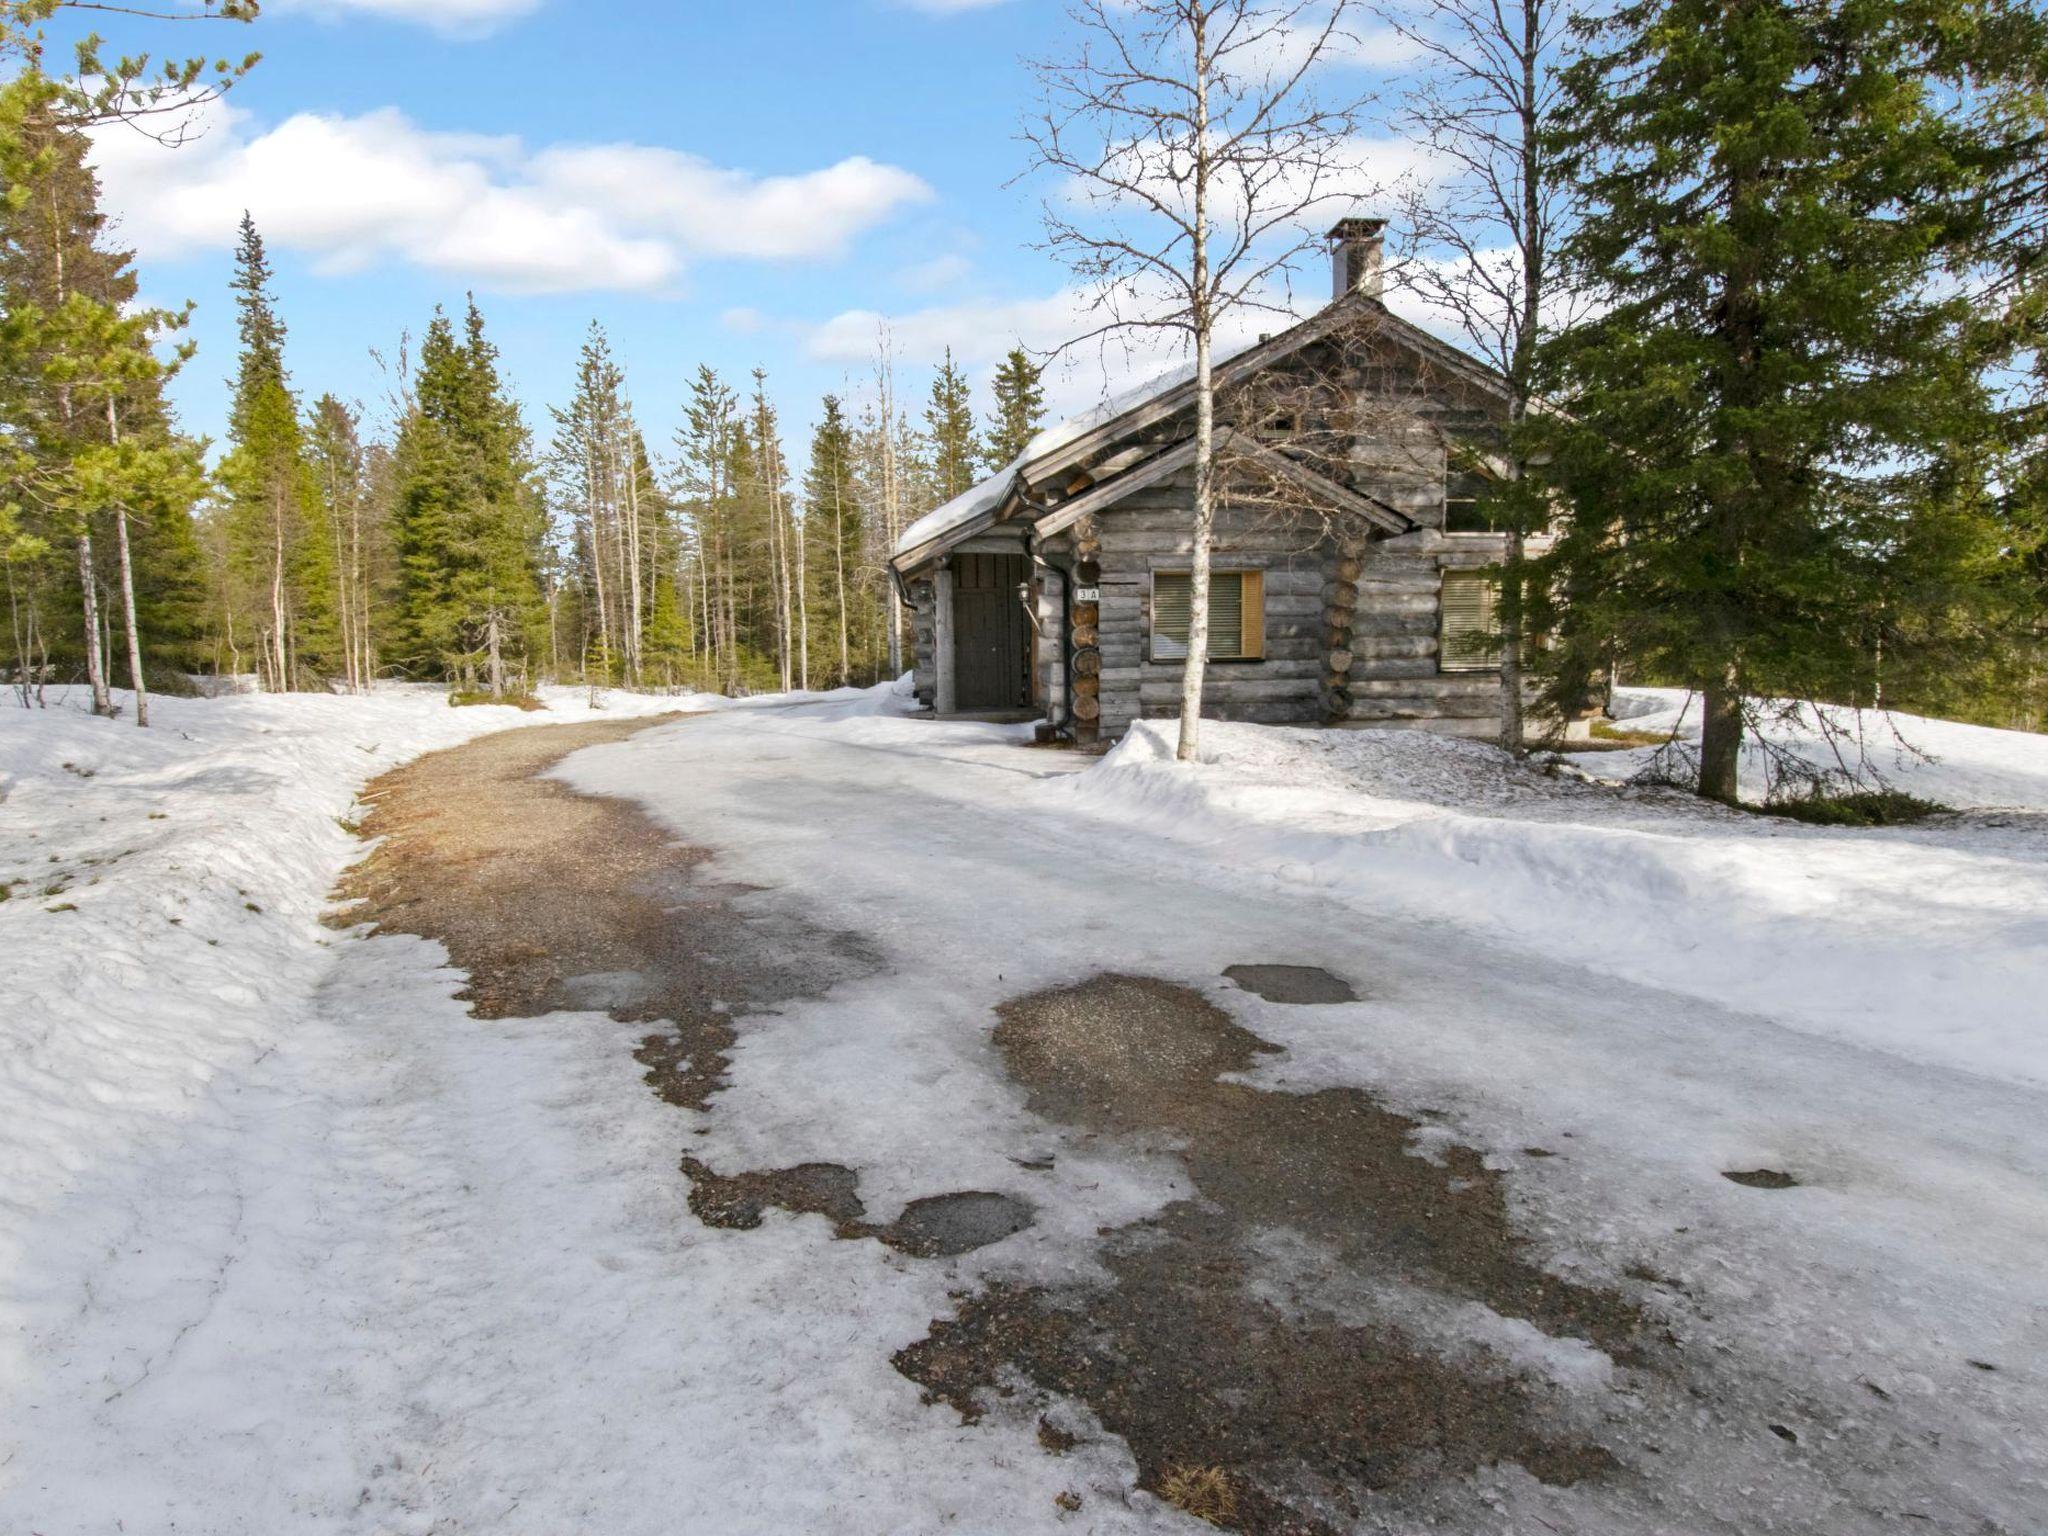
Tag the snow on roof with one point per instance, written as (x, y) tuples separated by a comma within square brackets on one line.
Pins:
[(985, 497), (962, 509)]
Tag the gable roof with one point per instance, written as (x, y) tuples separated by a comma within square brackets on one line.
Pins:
[(1066, 444)]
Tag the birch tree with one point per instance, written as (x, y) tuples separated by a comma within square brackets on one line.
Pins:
[(1482, 231), (1192, 148), (886, 487)]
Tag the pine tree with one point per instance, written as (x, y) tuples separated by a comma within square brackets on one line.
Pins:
[(949, 425), (706, 492), (88, 444), (467, 521), (66, 334), (833, 517), (768, 480), (277, 542), (342, 473), (593, 464), (1020, 408), (1760, 423)]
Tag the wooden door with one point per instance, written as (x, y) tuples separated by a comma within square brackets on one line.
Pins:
[(991, 633)]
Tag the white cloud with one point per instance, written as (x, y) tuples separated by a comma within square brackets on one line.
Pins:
[(457, 18), (353, 192), (714, 211), (939, 272)]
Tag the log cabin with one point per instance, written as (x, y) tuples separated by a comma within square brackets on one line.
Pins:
[(1351, 576)]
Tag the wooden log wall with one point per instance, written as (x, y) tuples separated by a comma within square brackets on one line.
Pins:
[(1394, 677), (1150, 531), (924, 640), (1351, 633), (1084, 655)]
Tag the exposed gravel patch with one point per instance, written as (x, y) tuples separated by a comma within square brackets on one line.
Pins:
[(1184, 1356)]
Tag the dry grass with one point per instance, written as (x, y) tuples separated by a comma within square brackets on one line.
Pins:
[(1204, 1492), (462, 698), (1606, 731)]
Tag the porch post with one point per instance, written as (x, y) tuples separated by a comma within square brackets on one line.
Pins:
[(943, 693)]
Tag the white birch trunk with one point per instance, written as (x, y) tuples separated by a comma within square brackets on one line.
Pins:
[(135, 677), (1196, 666), (803, 602), (95, 658)]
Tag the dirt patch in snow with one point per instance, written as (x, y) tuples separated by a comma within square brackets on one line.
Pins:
[(1185, 1356), (1761, 1178), (936, 1226), (553, 900), (1307, 984)]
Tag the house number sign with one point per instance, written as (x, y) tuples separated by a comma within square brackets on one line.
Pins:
[(1087, 594)]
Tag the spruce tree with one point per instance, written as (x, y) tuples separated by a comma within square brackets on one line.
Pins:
[(467, 520), (1755, 429), (949, 424), (1020, 408), (832, 518), (282, 561)]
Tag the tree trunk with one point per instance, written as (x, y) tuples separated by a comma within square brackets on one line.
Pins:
[(135, 678), (1196, 667), (1721, 740), (365, 663), (95, 658), (839, 581), (283, 669), (803, 604), (892, 512), (633, 554), (497, 658), (1512, 579)]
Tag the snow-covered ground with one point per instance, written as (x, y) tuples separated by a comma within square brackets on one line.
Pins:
[(290, 1242), (1965, 767), (1930, 941)]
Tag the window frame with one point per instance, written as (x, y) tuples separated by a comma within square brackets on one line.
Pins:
[(1251, 617)]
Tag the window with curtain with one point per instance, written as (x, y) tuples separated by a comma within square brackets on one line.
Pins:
[(1237, 615), (1466, 641)]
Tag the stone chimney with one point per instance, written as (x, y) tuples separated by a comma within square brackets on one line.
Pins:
[(1357, 257)]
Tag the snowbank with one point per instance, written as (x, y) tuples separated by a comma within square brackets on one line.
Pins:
[(1964, 766), (164, 893), (1930, 942), (289, 1241)]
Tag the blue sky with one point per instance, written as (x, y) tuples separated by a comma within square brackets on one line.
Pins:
[(725, 183)]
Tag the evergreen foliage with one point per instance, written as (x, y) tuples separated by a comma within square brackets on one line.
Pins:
[(280, 588), (835, 528), (468, 519), (1770, 455), (1020, 408), (949, 425), (87, 444)]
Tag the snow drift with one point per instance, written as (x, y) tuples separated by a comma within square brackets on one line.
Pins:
[(1928, 941)]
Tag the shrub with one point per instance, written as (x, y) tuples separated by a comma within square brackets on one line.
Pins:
[(462, 697), (1855, 808)]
